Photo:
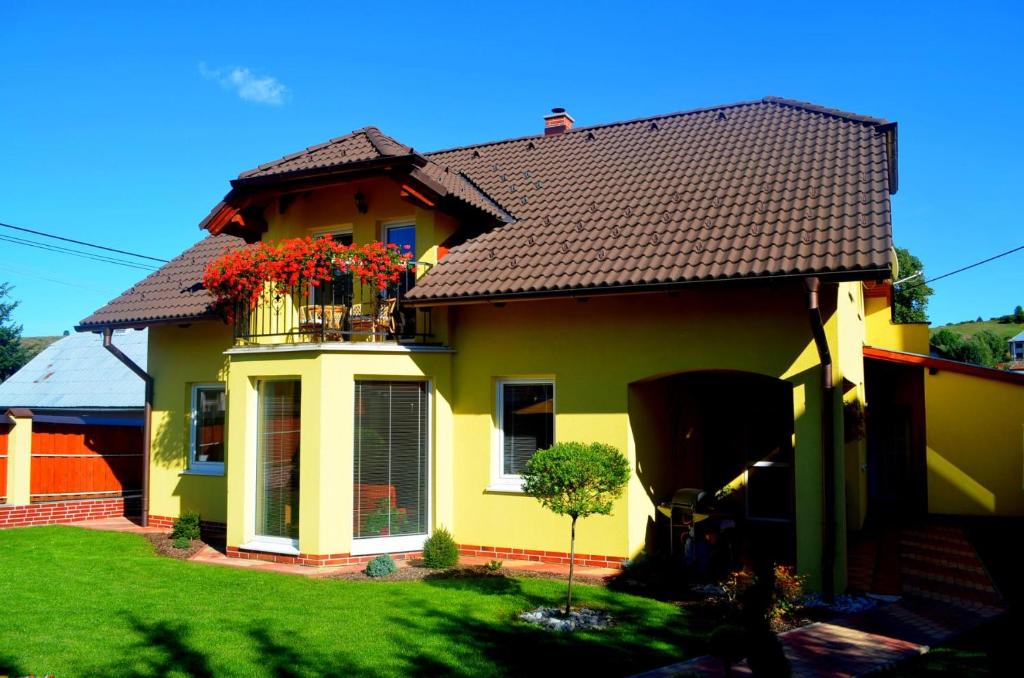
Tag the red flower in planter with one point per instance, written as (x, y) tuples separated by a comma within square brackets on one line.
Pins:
[(242, 276)]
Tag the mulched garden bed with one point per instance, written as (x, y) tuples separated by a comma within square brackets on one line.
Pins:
[(416, 572), (164, 546)]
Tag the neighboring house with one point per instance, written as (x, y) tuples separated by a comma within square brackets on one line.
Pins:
[(1017, 348), (596, 284), (80, 412)]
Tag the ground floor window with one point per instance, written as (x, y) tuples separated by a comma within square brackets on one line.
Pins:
[(390, 493), (206, 452), (526, 423), (277, 459)]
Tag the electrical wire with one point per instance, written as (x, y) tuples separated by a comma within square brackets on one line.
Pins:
[(965, 268), (82, 242), (77, 253)]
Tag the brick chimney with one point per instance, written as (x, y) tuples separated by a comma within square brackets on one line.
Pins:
[(557, 121)]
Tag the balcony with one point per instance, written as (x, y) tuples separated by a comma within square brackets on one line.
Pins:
[(344, 309)]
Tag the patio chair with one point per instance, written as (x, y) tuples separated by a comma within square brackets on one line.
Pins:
[(362, 319), (327, 320)]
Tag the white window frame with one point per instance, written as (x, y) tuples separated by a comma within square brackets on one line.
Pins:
[(206, 468), (406, 542), (255, 541), (511, 482)]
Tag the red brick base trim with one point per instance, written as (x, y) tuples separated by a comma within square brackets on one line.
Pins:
[(61, 512), (556, 557), (313, 560)]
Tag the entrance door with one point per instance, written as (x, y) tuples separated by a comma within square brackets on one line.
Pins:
[(391, 491)]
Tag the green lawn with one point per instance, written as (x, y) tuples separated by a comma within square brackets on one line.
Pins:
[(83, 603)]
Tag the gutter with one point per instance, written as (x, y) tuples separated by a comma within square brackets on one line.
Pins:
[(828, 470), (147, 417)]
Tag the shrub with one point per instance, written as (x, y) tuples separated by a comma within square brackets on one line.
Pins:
[(494, 565), (576, 480), (381, 566), (440, 550), (186, 527), (182, 543)]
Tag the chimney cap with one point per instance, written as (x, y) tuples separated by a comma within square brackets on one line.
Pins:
[(559, 112)]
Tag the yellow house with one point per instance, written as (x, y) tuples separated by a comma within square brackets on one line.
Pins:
[(687, 287)]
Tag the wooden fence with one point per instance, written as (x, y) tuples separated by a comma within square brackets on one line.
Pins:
[(80, 461), (85, 461)]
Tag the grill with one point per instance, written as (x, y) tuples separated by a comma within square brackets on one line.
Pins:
[(680, 511)]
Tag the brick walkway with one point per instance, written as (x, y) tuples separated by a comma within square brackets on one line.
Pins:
[(944, 591), (212, 556)]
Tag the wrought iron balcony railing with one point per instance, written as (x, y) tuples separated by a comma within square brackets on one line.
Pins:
[(343, 310)]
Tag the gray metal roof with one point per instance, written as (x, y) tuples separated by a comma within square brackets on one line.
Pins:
[(76, 372), (1019, 337)]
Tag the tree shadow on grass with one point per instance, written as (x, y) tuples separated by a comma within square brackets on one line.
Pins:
[(162, 648), (10, 667), (477, 646)]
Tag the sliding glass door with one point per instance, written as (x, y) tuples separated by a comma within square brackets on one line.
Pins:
[(277, 460), (391, 451)]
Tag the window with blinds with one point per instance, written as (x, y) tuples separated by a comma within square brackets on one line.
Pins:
[(277, 459), (207, 452), (390, 450), (527, 422)]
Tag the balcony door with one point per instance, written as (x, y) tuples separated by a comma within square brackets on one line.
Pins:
[(391, 474), (277, 464)]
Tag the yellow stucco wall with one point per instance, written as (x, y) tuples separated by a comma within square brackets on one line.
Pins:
[(326, 443), (975, 433), (178, 358), (881, 332), (852, 325), (594, 351)]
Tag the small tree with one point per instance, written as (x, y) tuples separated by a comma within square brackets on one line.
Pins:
[(12, 353), (576, 480), (910, 299)]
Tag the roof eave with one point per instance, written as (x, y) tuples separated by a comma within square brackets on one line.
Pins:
[(835, 276)]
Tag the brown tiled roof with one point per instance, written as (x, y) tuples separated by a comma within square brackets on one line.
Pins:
[(172, 293), (758, 189), (766, 188), (361, 145)]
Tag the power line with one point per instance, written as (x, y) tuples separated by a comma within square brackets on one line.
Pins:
[(77, 253), (82, 242), (965, 268), (33, 273)]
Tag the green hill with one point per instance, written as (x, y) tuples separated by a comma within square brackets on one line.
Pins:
[(36, 344), (969, 329)]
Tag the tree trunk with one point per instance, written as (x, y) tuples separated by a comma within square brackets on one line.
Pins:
[(572, 560)]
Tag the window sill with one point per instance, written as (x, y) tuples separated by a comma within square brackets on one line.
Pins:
[(505, 488), (282, 547), (202, 472)]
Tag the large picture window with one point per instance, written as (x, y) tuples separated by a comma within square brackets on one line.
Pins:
[(206, 449), (526, 423), (390, 493), (277, 459)]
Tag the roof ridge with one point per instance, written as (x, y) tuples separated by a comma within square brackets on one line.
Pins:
[(817, 108), (793, 103)]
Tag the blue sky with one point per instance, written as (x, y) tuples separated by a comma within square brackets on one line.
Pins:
[(122, 123)]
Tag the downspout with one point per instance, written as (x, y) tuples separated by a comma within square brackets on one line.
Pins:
[(828, 466), (108, 344)]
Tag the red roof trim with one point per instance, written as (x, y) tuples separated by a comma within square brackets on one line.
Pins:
[(942, 364)]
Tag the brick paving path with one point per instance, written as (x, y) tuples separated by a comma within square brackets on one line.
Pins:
[(212, 556), (944, 591)]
